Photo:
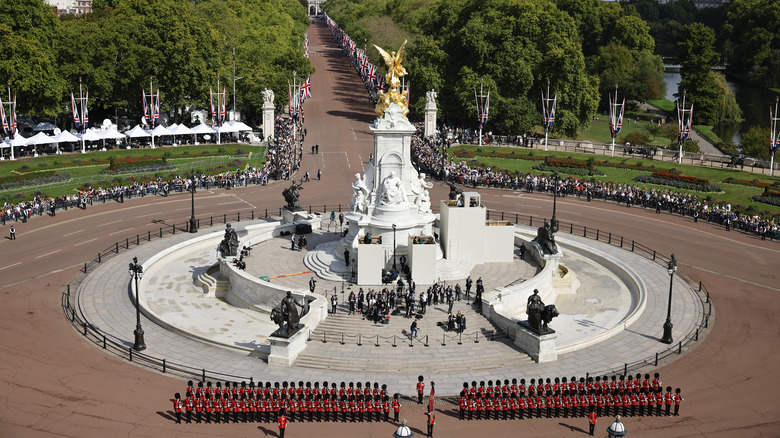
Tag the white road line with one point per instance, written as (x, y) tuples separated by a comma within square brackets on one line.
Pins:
[(235, 196), (86, 241), (181, 209), (72, 233), (10, 266), (120, 231), (48, 253), (570, 212), (230, 202), (109, 223), (145, 215)]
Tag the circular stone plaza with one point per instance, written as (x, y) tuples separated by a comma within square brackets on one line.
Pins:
[(201, 319)]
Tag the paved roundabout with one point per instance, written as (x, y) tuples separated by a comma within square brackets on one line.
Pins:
[(56, 384)]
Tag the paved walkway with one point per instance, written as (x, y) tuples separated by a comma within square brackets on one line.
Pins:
[(104, 298)]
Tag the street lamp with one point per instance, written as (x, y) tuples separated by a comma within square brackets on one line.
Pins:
[(616, 429), (394, 248), (193, 222), (671, 268), (136, 271)]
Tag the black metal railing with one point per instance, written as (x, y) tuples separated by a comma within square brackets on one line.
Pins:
[(74, 314)]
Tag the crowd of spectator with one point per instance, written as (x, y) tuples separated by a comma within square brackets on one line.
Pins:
[(285, 160), (430, 155)]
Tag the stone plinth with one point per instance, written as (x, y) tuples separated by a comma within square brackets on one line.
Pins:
[(541, 348), (268, 120), (284, 351), (292, 216)]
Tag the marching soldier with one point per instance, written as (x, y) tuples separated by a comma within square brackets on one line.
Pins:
[(369, 408), (199, 402), (353, 408), (344, 408), (361, 409), (282, 421), (677, 400), (236, 407), (189, 405), (420, 389), (397, 407), (668, 400), (472, 405), (217, 406), (461, 406), (592, 420), (226, 405), (177, 407), (431, 422)]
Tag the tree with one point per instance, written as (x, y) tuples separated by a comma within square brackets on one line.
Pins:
[(751, 30), (27, 60), (755, 142), (697, 56)]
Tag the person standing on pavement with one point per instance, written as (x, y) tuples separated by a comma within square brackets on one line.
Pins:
[(413, 329), (592, 420), (312, 285), (177, 407), (420, 389), (319, 174), (334, 302), (431, 422), (13, 232), (282, 421)]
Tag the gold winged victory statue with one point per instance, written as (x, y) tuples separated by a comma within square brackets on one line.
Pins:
[(393, 78)]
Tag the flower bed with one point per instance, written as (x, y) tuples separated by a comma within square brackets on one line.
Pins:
[(569, 170), (38, 178), (771, 200), (682, 178), (678, 182), (751, 183)]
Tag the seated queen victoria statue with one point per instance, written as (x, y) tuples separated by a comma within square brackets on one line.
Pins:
[(393, 192)]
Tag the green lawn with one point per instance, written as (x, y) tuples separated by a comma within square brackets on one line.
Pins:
[(733, 193), (598, 132), (663, 104), (91, 173)]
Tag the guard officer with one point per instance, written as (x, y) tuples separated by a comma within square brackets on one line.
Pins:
[(177, 407)]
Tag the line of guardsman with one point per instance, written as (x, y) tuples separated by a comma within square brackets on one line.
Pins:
[(567, 398), (302, 402)]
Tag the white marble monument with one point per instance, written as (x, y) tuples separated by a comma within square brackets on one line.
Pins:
[(430, 113), (268, 114)]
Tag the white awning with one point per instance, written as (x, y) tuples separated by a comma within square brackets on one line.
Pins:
[(39, 138), (137, 132), (203, 129)]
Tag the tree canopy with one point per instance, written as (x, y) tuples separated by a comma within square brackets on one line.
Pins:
[(183, 45)]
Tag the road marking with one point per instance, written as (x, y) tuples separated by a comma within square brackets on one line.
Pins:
[(231, 202), (49, 253), (86, 241), (72, 233), (145, 215), (120, 231), (181, 209), (10, 266), (236, 196), (109, 223)]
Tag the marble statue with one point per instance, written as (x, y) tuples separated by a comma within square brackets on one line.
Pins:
[(430, 98), (422, 198), (360, 195), (393, 192), (268, 96)]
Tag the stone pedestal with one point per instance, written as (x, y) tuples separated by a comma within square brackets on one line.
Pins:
[(541, 348), (268, 120), (430, 121), (290, 216), (284, 351)]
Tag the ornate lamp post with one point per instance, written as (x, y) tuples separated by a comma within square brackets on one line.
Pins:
[(616, 429), (671, 268), (193, 222), (136, 271), (394, 247)]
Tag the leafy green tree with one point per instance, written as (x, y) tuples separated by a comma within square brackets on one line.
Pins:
[(27, 59), (754, 41), (697, 56), (755, 142)]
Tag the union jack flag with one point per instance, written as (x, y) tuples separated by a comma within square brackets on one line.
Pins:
[(76, 118), (380, 82), (616, 125), (549, 117), (222, 109), (146, 108), (774, 142), (211, 105), (13, 118), (3, 120), (372, 73), (86, 113), (156, 108), (306, 88)]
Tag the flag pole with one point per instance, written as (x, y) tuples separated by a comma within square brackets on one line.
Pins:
[(613, 109), (10, 123), (81, 101), (151, 111), (682, 123), (773, 141), (218, 113)]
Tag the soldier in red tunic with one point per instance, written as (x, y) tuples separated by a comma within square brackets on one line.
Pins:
[(420, 389), (361, 408), (592, 420), (199, 402), (282, 421), (431, 422), (677, 400), (208, 408), (353, 407), (344, 408), (396, 407), (177, 407)]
